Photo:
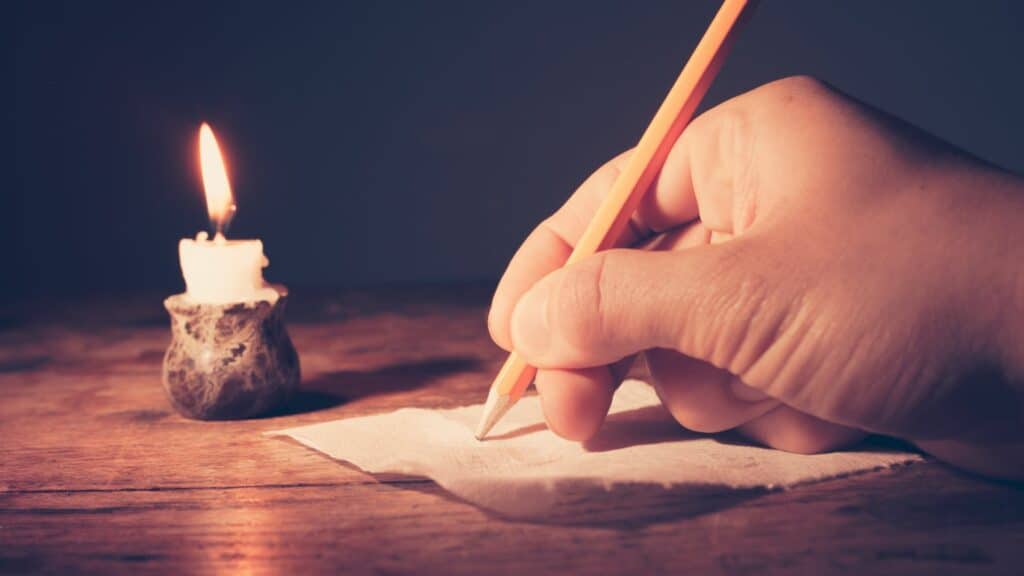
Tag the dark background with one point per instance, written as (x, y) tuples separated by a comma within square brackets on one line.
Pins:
[(398, 142)]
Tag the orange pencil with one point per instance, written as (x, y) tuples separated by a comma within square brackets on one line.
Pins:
[(624, 197)]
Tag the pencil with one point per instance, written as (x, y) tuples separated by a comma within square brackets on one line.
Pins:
[(617, 208)]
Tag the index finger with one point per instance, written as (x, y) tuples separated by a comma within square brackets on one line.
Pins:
[(670, 203)]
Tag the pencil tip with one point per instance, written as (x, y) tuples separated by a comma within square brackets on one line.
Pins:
[(495, 407)]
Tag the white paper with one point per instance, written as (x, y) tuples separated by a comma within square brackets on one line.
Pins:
[(524, 470)]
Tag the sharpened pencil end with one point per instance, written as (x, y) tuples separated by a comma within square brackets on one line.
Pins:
[(495, 407)]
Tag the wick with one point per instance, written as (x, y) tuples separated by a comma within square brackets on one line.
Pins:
[(220, 225)]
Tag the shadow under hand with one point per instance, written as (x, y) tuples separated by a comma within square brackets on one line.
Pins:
[(523, 431), (647, 425), (331, 389)]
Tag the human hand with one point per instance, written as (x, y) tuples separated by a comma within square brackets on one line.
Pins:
[(803, 269)]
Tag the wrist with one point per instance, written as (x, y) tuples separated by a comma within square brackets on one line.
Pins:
[(1006, 258), (977, 212), (984, 253), (990, 421), (992, 311)]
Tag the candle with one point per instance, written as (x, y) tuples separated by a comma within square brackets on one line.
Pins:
[(230, 355), (221, 271)]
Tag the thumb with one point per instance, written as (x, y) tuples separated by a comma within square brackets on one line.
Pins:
[(698, 301)]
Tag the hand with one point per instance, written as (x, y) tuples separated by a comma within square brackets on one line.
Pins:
[(804, 269)]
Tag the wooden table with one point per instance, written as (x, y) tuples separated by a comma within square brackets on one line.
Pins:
[(97, 474)]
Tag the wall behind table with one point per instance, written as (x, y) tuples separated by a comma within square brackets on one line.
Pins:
[(392, 142)]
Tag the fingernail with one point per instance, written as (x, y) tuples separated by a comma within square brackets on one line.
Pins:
[(530, 332)]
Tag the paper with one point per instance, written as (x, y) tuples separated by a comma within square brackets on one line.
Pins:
[(524, 470)]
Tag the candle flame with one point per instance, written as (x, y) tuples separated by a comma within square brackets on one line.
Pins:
[(219, 201)]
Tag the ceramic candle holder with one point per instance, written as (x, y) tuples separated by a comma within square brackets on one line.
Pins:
[(228, 361)]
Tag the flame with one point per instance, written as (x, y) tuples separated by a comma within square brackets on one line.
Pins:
[(219, 201)]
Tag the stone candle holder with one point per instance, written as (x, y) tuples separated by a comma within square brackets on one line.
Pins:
[(229, 361)]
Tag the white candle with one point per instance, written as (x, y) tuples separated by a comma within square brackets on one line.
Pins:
[(221, 271)]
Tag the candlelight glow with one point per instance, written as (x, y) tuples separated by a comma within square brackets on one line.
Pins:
[(219, 202)]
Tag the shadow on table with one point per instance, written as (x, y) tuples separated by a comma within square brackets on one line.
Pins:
[(623, 506), (332, 389)]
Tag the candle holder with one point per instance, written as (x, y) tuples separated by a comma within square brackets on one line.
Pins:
[(229, 361)]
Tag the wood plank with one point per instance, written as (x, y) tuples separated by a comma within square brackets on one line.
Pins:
[(921, 520), (98, 475), (84, 408)]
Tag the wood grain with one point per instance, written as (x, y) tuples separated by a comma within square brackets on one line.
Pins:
[(97, 474)]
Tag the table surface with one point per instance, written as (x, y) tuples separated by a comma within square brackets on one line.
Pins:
[(98, 474)]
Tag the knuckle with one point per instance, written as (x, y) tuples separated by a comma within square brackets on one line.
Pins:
[(800, 85), (726, 131), (782, 102), (707, 132), (691, 417), (720, 144), (736, 144)]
